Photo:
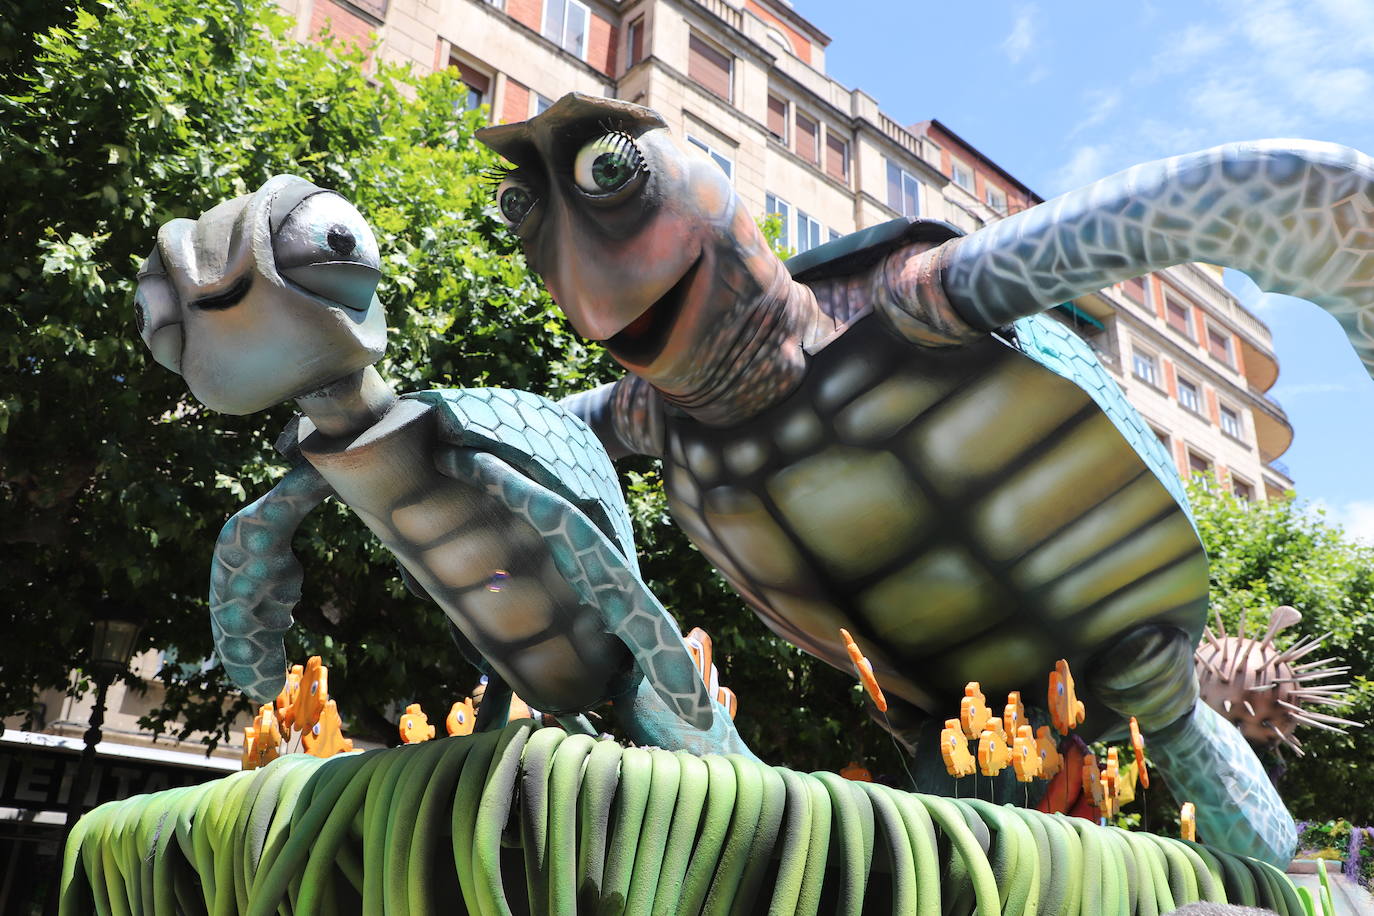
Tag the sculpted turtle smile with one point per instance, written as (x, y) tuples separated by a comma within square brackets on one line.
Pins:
[(643, 339)]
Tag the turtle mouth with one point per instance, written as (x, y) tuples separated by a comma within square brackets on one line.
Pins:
[(642, 340)]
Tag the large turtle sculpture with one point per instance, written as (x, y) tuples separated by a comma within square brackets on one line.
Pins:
[(500, 506), (888, 438)]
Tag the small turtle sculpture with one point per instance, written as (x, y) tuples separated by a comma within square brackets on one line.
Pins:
[(500, 506), (884, 435)]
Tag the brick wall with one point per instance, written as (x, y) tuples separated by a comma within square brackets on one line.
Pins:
[(516, 105), (343, 23), (526, 12), (601, 43), (800, 46)]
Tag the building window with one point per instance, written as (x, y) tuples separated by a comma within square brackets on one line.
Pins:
[(961, 175), (903, 191), (1134, 289), (997, 200), (1242, 489), (1164, 439), (777, 118), (565, 24), (836, 156), (1189, 396), (835, 236), (1179, 316), (1199, 466), (1219, 345), (1230, 422), (727, 165), (1145, 367), (773, 204), (634, 42), (807, 131), (478, 84), (709, 67), (541, 104), (808, 232)]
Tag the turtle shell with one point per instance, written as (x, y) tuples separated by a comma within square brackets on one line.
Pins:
[(969, 513)]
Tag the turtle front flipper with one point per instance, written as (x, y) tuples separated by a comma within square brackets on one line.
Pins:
[(670, 707), (255, 581), (1149, 674), (1294, 215)]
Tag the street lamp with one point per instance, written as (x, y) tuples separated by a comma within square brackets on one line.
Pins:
[(112, 645)]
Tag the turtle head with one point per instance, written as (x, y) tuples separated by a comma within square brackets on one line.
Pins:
[(634, 232), (263, 298)]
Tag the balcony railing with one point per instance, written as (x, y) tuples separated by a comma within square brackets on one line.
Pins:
[(721, 10), (903, 137), (1281, 468)]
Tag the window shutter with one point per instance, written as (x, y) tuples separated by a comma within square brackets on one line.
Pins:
[(777, 117), (636, 41), (836, 156), (708, 67), (806, 138)]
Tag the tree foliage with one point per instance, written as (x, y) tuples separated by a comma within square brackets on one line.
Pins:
[(114, 482), (1285, 552)]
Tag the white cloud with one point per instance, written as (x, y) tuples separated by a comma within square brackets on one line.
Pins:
[(1101, 104), (1356, 517), (1021, 39), (1087, 164)]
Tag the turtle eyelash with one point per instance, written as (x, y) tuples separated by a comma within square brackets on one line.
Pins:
[(493, 176)]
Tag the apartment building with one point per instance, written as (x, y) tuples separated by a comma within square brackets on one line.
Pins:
[(745, 80)]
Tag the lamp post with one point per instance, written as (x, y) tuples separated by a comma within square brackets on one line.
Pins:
[(112, 645)]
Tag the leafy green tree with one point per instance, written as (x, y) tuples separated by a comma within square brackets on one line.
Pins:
[(114, 482), (1286, 552)]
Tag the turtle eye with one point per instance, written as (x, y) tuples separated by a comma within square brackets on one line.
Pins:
[(325, 246), (514, 201), (608, 164)]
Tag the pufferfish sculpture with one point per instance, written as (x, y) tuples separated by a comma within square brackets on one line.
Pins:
[(499, 505), (883, 435)]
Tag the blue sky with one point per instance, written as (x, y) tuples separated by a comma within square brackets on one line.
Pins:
[(1062, 92)]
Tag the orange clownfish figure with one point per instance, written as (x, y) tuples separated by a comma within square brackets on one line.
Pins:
[(856, 773), (286, 700), (1138, 745), (1111, 781), (1025, 756), (266, 737), (864, 670), (325, 738), (415, 725), (973, 710), (1014, 714), (699, 644), (1048, 748), (993, 752), (461, 718), (247, 762), (313, 695), (1066, 710), (954, 748), (1093, 787)]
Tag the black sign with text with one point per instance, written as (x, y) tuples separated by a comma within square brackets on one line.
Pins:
[(36, 777)]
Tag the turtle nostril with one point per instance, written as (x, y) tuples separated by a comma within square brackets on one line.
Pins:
[(340, 239)]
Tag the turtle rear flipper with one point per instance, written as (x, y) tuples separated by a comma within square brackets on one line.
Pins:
[(602, 580), (255, 581)]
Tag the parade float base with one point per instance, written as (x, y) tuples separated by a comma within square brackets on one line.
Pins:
[(533, 820)]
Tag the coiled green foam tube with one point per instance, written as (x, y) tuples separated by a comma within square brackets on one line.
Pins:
[(603, 828)]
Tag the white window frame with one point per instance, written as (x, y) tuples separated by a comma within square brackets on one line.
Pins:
[(1145, 356), (774, 204), (726, 163), (539, 103), (955, 166), (905, 177), (994, 192), (1196, 406), (809, 232), (1236, 430), (561, 40)]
